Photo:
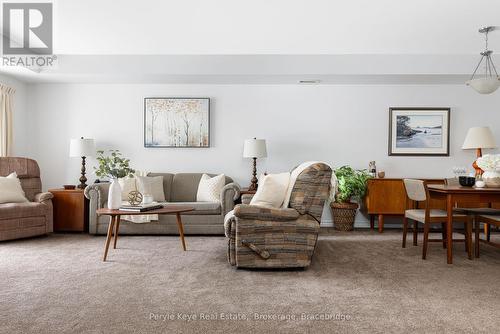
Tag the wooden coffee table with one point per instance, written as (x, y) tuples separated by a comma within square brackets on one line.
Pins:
[(114, 223)]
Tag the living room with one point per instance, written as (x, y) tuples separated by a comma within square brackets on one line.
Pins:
[(233, 122)]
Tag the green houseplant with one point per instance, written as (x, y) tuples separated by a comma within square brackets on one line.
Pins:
[(113, 166), (351, 186)]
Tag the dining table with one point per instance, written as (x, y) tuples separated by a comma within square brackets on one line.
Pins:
[(453, 194)]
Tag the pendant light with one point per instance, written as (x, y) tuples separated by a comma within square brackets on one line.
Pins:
[(490, 82)]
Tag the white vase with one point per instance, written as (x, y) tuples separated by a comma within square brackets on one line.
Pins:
[(114, 195), (491, 178)]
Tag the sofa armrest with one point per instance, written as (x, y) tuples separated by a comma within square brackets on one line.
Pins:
[(229, 194), (97, 194), (42, 197), (254, 212)]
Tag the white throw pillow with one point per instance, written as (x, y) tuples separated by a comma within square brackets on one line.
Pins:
[(11, 190), (272, 190), (151, 186), (210, 188), (127, 184)]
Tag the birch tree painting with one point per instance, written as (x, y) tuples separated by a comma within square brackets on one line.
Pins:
[(176, 122)]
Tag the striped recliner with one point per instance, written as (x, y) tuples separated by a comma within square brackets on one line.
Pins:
[(281, 238)]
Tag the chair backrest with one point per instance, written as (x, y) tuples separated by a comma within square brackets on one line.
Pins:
[(451, 181), (415, 190), (311, 189), (27, 171)]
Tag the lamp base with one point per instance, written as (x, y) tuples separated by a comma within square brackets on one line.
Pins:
[(478, 170), (254, 183), (83, 179)]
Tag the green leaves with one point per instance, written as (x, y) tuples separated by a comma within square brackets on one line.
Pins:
[(352, 183), (112, 166)]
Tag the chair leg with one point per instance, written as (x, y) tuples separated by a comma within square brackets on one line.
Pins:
[(468, 241), (405, 230), (426, 240), (487, 232), (443, 234), (415, 233)]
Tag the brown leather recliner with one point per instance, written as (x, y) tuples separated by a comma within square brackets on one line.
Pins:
[(21, 220)]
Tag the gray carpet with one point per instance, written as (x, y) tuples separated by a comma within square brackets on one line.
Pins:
[(359, 282)]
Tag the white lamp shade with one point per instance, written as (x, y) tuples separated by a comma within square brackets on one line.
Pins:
[(255, 148), (484, 85), (479, 137), (81, 147)]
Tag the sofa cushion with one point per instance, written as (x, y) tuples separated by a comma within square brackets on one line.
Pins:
[(210, 188), (185, 186), (200, 208), (21, 210), (151, 185), (167, 183)]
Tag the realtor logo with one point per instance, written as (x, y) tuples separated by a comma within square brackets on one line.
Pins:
[(27, 28)]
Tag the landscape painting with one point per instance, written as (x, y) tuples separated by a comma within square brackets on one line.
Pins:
[(176, 122), (419, 131)]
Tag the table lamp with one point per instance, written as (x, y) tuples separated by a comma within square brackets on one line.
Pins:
[(82, 147), (478, 138), (254, 148)]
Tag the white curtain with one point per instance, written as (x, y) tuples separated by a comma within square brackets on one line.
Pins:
[(6, 96)]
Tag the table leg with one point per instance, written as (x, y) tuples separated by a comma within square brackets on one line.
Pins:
[(108, 238), (117, 227), (372, 222), (449, 229), (469, 239), (181, 230), (476, 237), (380, 223)]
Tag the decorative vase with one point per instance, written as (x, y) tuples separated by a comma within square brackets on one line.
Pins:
[(344, 215), (114, 195), (491, 178)]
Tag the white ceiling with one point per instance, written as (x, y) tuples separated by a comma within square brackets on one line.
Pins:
[(267, 41)]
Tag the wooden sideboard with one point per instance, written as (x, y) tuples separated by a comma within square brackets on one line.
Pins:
[(387, 197)]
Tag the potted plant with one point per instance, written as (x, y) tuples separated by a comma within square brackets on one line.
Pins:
[(351, 186), (114, 167)]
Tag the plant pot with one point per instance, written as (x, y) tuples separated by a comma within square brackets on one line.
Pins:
[(114, 195), (491, 179), (343, 215)]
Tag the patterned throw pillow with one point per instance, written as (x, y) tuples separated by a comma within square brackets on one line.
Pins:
[(11, 190), (210, 188)]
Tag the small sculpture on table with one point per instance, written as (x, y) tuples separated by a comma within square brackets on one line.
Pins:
[(134, 197)]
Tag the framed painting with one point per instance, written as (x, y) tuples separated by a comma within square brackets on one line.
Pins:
[(419, 131), (176, 122)]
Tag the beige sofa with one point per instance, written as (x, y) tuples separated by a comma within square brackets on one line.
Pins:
[(22, 220), (181, 188)]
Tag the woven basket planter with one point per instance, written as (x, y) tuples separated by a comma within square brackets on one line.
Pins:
[(343, 215)]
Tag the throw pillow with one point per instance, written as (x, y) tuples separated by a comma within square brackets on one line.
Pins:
[(272, 190), (151, 186), (11, 190), (127, 184), (210, 188)]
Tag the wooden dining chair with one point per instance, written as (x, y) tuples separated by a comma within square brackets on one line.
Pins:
[(491, 220), (417, 192), (453, 181)]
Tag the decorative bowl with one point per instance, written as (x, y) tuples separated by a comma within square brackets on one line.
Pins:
[(466, 181), (69, 186)]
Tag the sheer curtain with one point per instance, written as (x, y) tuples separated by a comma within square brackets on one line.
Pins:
[(6, 95)]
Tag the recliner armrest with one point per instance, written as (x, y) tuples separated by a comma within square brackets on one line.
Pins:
[(42, 197), (244, 211)]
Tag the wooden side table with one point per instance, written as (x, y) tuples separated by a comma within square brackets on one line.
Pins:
[(244, 192), (71, 210)]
